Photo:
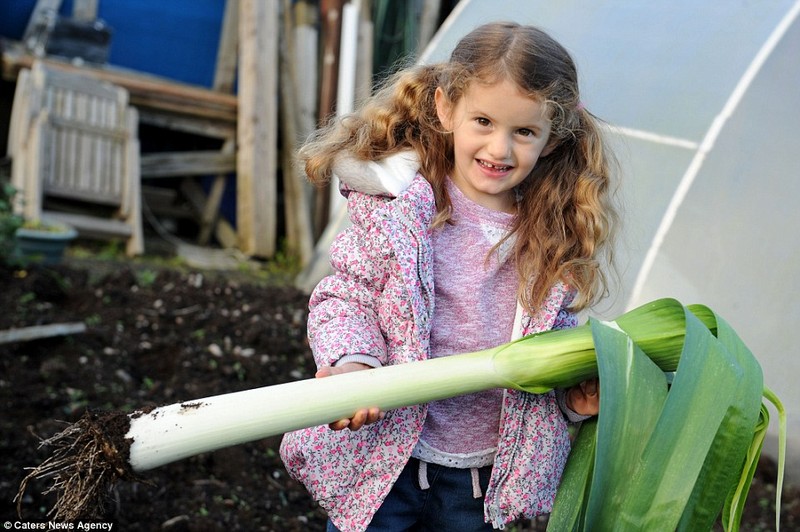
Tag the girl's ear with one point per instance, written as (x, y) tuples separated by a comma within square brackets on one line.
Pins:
[(553, 144), (443, 109)]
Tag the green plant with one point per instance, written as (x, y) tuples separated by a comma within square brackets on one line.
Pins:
[(27, 297), (9, 222), (23, 241), (113, 249), (148, 383), (669, 454), (39, 225), (145, 278), (93, 320)]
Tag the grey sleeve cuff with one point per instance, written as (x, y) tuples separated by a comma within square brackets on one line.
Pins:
[(572, 416), (359, 358)]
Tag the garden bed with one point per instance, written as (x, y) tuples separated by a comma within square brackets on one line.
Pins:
[(157, 335)]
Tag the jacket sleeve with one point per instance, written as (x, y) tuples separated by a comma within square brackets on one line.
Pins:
[(343, 308), (566, 319)]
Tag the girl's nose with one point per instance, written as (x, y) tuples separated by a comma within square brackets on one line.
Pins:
[(499, 147)]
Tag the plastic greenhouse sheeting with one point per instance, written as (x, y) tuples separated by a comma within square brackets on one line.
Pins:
[(702, 100)]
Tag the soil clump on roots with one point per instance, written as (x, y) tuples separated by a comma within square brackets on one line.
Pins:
[(157, 336), (87, 459)]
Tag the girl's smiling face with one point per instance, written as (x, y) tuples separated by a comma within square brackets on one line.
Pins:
[(498, 135)]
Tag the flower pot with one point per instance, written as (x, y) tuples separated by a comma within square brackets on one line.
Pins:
[(44, 245)]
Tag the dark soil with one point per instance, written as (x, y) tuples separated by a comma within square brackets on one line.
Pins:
[(158, 336)]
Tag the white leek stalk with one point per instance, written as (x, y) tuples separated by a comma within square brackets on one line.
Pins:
[(536, 363)]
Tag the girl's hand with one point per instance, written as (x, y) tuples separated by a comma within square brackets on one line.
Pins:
[(584, 398), (365, 416)]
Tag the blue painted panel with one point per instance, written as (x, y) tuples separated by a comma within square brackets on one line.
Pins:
[(177, 39), (14, 15)]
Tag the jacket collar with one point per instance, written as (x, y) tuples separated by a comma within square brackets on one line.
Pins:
[(389, 176)]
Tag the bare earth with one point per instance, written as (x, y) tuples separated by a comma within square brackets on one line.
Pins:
[(158, 336)]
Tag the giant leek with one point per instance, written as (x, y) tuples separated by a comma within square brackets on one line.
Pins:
[(659, 337)]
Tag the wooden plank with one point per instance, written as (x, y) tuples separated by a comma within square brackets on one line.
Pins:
[(132, 207), (225, 70), (84, 10), (196, 197), (224, 80), (163, 202), (209, 217), (43, 17), (90, 226), (256, 195), (144, 89), (210, 212), (331, 36), (36, 332), (22, 114), (76, 125), (297, 213), (206, 127), (36, 154), (306, 57), (187, 163), (365, 55), (428, 22)]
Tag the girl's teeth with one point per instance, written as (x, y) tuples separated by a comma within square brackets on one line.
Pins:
[(493, 166)]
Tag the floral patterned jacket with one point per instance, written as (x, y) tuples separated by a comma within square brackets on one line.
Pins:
[(379, 302)]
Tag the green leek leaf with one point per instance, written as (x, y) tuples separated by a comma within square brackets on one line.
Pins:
[(568, 511), (633, 391)]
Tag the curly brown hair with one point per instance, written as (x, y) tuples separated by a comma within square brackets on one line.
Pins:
[(565, 217)]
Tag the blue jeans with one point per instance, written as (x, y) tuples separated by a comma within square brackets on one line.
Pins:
[(448, 505)]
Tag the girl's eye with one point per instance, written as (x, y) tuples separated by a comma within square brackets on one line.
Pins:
[(482, 121), (526, 132)]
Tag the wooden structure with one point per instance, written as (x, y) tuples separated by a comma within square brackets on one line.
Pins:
[(267, 54), (72, 138), (246, 125)]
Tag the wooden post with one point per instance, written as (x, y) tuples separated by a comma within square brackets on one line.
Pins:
[(297, 213), (256, 195), (428, 22), (331, 36), (306, 59), (225, 73), (224, 78)]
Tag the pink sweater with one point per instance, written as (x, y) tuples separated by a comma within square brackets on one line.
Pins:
[(475, 307)]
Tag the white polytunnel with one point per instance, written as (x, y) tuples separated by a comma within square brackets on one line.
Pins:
[(702, 103), (702, 100)]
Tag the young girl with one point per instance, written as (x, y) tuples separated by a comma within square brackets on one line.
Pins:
[(478, 191)]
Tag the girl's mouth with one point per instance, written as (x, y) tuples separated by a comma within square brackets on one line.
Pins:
[(494, 167)]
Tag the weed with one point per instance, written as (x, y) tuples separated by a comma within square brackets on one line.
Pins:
[(145, 278), (112, 250), (9, 223), (148, 383), (27, 297)]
